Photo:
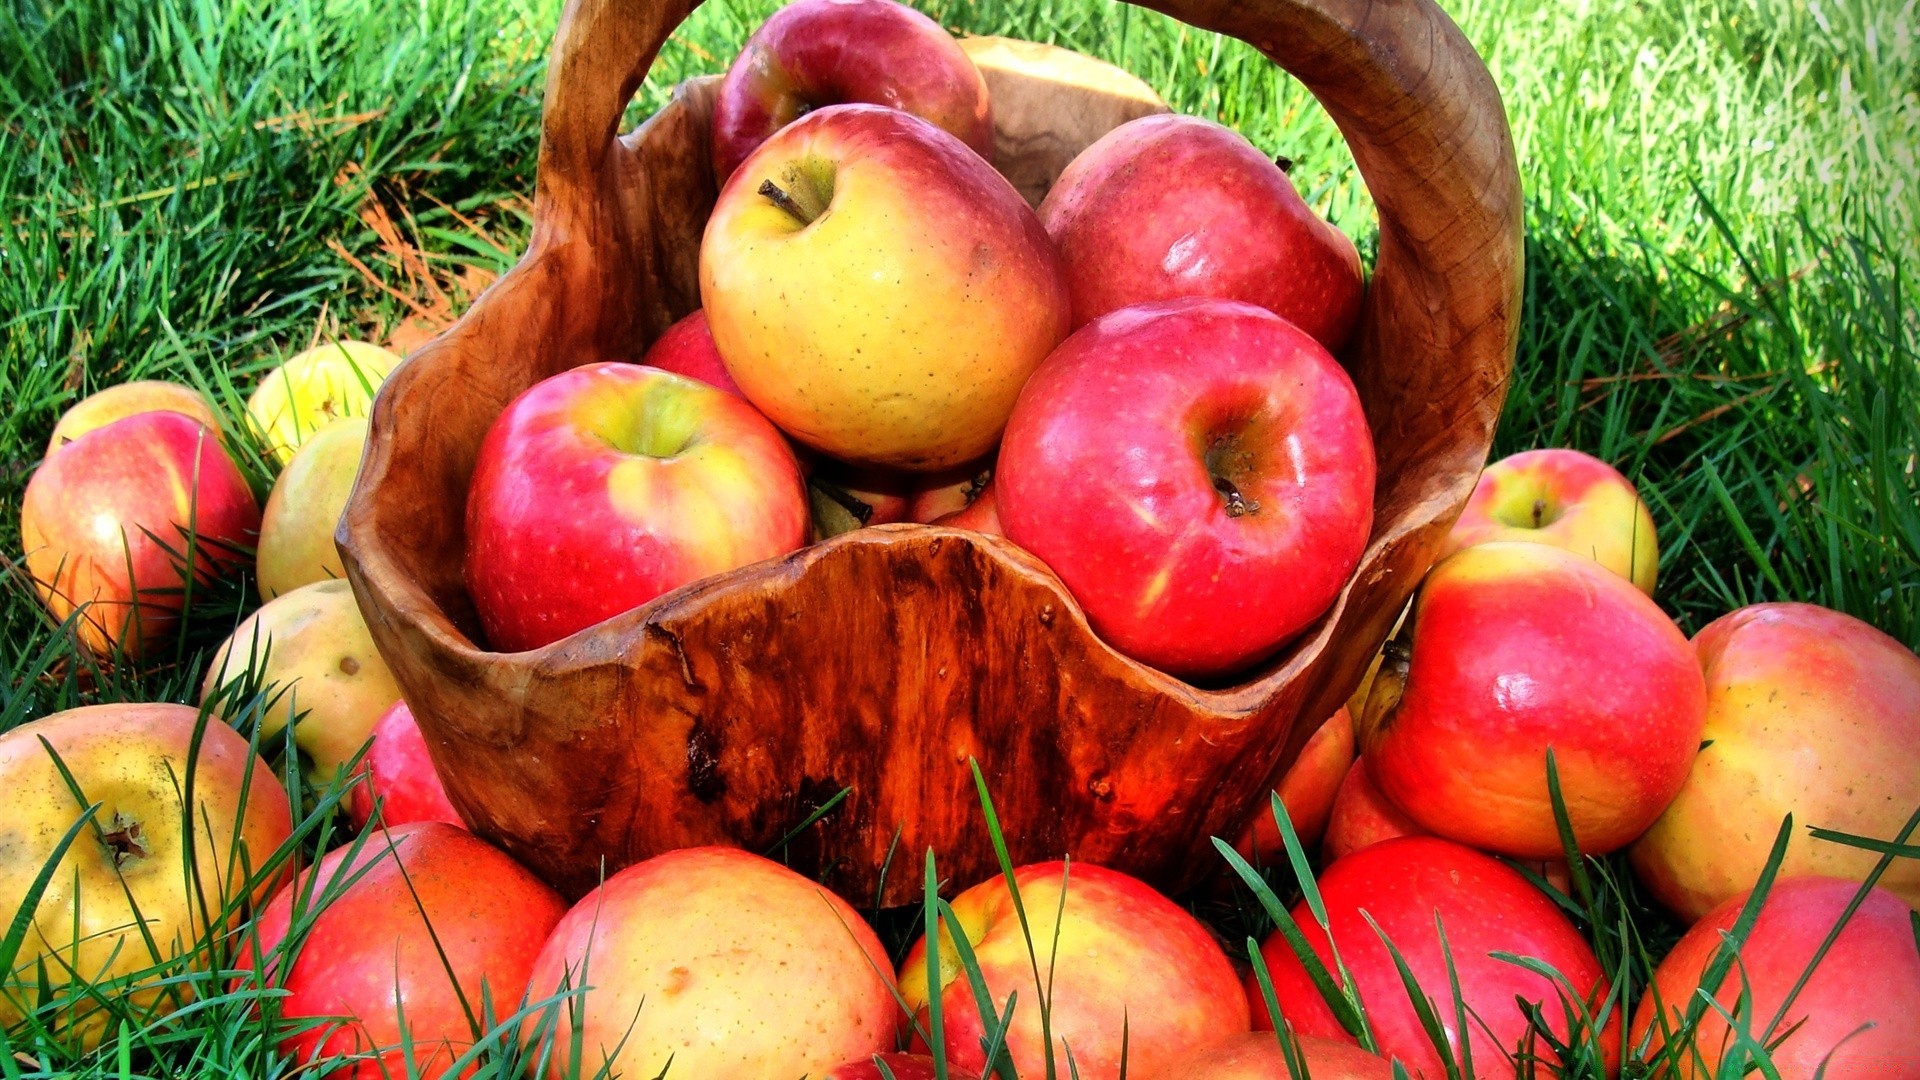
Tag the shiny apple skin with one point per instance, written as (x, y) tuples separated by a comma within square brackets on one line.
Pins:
[(1856, 1015), (605, 486), (724, 962), (686, 348), (1568, 499), (896, 329), (401, 775), (1307, 790), (1109, 468), (1172, 206), (815, 53), (1485, 907), (1809, 712), (122, 400), (428, 897), (1256, 1055), (93, 507), (1362, 817), (1126, 956), (1518, 647)]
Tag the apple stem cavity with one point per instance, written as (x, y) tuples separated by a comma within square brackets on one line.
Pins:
[(1237, 504), (779, 197), (1539, 512), (123, 842)]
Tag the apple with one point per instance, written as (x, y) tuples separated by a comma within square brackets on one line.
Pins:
[(134, 761), (686, 348), (400, 774), (1256, 1055), (1809, 712), (605, 486), (877, 290), (815, 53), (1362, 817), (106, 524), (1853, 1017), (313, 389), (872, 496), (304, 508), (721, 961), (982, 515), (1173, 206), (899, 1067), (1485, 907), (1199, 474), (399, 938), (1568, 499), (945, 494), (1307, 789), (1120, 962), (103, 407), (309, 657), (1519, 648)]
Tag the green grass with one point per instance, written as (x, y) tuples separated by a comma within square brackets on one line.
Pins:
[(1720, 243)]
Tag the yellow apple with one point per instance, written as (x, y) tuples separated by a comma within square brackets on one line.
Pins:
[(129, 399), (296, 531), (1568, 499), (314, 389)]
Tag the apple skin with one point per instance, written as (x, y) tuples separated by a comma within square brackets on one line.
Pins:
[(1518, 648), (313, 389), (1362, 817), (982, 515), (118, 402), (686, 348), (1568, 499), (1485, 907), (400, 774), (1809, 712), (1256, 1055), (884, 493), (902, 1066), (303, 510), (909, 312), (728, 963), (1110, 468), (1172, 206), (91, 512), (375, 948), (1855, 1015), (129, 758), (945, 494), (1307, 790), (1124, 953), (605, 486), (815, 53)]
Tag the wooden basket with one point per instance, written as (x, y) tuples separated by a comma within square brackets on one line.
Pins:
[(883, 659)]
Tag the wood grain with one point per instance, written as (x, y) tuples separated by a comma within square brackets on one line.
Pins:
[(884, 659)]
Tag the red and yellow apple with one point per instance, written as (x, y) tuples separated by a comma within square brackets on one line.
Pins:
[(1485, 907), (1256, 1055), (304, 508), (1362, 817), (1174, 206), (1200, 475), (128, 879), (1121, 962), (106, 524), (899, 1067), (605, 486), (1307, 789), (313, 389), (1568, 499), (1520, 648), (721, 961), (945, 494), (686, 348), (982, 515), (400, 775), (1854, 1017), (877, 290), (1809, 712), (118, 402), (814, 53), (400, 938)]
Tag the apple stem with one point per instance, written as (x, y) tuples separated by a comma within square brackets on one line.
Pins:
[(1237, 504), (861, 511), (1539, 511), (779, 197)]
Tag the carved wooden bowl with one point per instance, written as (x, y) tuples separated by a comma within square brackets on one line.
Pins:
[(883, 659)]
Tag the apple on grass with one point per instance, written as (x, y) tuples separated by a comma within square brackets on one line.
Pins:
[(313, 389), (398, 773), (118, 402), (877, 290), (605, 486), (898, 1067), (109, 519), (1568, 499), (1307, 790), (1175, 206), (1258, 1055), (1361, 817), (720, 961), (126, 885), (303, 510), (815, 53), (1120, 963), (1200, 476)]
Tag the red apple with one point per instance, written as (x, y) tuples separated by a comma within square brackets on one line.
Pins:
[(602, 487), (382, 931), (1171, 206), (1518, 648), (878, 291), (105, 523), (945, 494), (982, 515), (1256, 1055), (686, 348), (1568, 499), (1116, 957), (1809, 712), (1855, 1017), (1199, 474), (900, 1066), (1362, 817), (814, 53), (1307, 790), (1485, 907), (721, 961), (401, 775)]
